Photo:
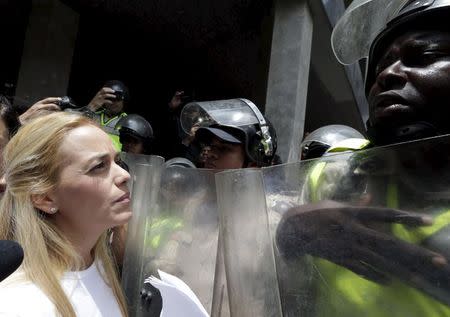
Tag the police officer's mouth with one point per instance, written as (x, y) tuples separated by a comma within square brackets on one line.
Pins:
[(391, 106)]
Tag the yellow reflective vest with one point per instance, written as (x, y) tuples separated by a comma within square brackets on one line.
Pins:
[(110, 126), (342, 293)]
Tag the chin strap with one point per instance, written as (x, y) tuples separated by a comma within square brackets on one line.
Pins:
[(414, 131)]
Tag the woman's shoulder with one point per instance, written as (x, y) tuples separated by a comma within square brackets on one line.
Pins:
[(22, 298)]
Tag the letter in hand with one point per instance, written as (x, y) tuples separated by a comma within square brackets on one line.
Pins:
[(151, 299), (359, 239)]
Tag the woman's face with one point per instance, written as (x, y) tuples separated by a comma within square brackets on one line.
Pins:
[(92, 193)]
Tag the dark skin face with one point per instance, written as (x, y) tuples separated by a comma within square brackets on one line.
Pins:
[(412, 82)]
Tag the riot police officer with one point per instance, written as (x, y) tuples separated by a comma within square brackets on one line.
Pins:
[(107, 108), (135, 134), (407, 87), (232, 133)]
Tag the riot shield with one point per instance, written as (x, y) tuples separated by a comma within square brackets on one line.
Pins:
[(247, 248), (145, 181), (131, 161), (359, 240), (179, 233)]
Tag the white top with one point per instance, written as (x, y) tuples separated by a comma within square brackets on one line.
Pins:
[(86, 290)]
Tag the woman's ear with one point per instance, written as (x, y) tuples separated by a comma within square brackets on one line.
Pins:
[(44, 202)]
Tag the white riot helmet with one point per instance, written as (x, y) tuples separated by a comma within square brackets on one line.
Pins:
[(320, 140), (235, 121)]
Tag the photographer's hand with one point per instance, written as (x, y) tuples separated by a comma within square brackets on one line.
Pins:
[(41, 107), (105, 96)]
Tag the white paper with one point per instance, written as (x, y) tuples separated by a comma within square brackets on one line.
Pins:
[(178, 298)]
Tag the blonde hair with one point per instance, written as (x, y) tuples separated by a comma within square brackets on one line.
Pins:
[(32, 167)]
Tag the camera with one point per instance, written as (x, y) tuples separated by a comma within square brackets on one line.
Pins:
[(119, 95), (67, 103)]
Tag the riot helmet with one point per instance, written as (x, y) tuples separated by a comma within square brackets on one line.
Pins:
[(236, 121), (367, 27), (135, 127), (318, 142), (179, 162)]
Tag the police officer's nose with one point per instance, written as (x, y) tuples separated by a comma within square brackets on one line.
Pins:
[(392, 77)]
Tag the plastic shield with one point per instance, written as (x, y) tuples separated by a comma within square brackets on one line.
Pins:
[(358, 27), (356, 243), (232, 112), (247, 245), (145, 181), (179, 233), (132, 160)]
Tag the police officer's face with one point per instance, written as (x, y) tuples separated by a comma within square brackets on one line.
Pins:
[(131, 144), (413, 81), (222, 155), (116, 107)]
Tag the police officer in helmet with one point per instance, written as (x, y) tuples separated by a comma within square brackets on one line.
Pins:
[(408, 88), (136, 134), (107, 108), (232, 133)]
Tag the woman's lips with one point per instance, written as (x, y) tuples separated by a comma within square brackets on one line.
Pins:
[(125, 198)]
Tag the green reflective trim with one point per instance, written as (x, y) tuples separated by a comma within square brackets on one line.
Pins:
[(352, 144), (314, 180), (116, 142), (155, 241), (417, 235), (392, 195)]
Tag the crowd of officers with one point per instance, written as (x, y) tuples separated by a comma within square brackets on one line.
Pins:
[(408, 91)]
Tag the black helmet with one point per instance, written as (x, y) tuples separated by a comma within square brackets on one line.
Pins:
[(120, 90), (234, 121), (136, 126), (426, 14)]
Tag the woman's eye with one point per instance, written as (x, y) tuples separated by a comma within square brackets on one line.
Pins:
[(97, 167)]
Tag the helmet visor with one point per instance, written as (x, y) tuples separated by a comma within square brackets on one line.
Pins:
[(233, 112), (359, 25)]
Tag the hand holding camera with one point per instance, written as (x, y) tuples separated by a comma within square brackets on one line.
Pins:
[(104, 97), (41, 107)]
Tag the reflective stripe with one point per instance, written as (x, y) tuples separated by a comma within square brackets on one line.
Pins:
[(418, 235), (160, 231), (314, 180), (352, 144), (110, 127)]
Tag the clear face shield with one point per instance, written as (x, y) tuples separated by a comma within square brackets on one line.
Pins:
[(232, 112), (358, 27)]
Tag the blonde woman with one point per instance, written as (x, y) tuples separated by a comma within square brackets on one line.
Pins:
[(65, 189)]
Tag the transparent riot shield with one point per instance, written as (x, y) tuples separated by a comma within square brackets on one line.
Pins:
[(145, 183), (132, 160), (179, 232), (247, 248), (364, 233)]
